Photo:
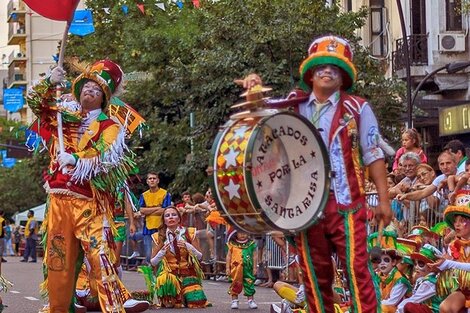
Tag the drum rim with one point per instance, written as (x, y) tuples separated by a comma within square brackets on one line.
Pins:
[(213, 181), (250, 187)]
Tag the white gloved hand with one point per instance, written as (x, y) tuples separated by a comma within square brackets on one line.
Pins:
[(57, 76), (156, 259), (65, 159)]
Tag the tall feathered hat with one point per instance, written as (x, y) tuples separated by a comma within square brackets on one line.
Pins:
[(461, 207), (332, 50), (105, 73)]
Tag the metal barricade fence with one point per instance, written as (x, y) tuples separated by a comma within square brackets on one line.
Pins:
[(411, 213)]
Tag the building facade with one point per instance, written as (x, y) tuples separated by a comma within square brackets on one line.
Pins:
[(438, 59)]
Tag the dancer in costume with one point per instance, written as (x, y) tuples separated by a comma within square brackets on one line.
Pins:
[(424, 298), (350, 131), (454, 280), (82, 181), (241, 262), (393, 284), (179, 275)]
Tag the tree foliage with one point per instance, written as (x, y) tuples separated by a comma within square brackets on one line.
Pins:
[(20, 186), (195, 55)]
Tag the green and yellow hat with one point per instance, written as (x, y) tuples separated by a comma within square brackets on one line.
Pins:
[(332, 50), (107, 74), (428, 254), (388, 241), (461, 207)]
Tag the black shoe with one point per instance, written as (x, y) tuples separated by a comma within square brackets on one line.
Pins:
[(3, 260), (23, 260), (32, 261)]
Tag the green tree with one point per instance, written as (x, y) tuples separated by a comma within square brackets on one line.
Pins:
[(20, 186), (195, 55)]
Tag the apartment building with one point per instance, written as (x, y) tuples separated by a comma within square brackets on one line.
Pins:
[(437, 57), (35, 41)]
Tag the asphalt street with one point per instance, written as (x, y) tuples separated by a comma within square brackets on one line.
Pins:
[(24, 295)]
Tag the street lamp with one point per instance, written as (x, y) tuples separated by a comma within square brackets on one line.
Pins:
[(451, 68)]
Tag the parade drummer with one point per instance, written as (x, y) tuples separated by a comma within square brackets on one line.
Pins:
[(349, 129)]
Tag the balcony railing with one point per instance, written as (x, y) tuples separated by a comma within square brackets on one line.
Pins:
[(17, 7), (16, 56), (418, 52)]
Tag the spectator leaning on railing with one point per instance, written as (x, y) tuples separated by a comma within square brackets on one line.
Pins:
[(409, 162), (448, 166)]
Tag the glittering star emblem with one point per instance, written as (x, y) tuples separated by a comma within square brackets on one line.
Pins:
[(231, 158), (240, 132), (232, 189)]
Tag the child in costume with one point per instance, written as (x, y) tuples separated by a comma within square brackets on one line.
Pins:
[(455, 277), (179, 275), (393, 284), (424, 298), (241, 262)]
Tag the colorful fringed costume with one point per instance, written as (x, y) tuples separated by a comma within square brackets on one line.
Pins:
[(81, 198), (393, 284), (454, 279), (242, 277), (179, 275)]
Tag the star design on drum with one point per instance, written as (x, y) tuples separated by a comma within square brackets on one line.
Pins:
[(313, 154), (232, 190), (240, 132), (231, 158), (259, 184)]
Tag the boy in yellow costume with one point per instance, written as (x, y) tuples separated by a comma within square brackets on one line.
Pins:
[(241, 262)]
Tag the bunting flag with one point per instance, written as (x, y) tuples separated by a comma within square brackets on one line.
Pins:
[(179, 3), (196, 3), (82, 23), (125, 9), (160, 5), (107, 10), (59, 10), (141, 8)]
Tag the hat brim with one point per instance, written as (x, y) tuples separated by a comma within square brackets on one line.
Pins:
[(349, 72), (393, 253), (452, 211), (420, 257)]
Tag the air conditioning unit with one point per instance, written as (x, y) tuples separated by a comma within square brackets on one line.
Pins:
[(449, 42)]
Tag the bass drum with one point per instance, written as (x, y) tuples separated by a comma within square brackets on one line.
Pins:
[(270, 172)]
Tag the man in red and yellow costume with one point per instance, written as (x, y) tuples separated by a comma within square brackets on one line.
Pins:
[(82, 180)]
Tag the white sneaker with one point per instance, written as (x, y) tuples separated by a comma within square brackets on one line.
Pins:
[(234, 304), (300, 295), (135, 306), (134, 255), (252, 304), (80, 308)]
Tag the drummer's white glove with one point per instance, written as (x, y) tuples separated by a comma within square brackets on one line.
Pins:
[(65, 159), (160, 255), (193, 250), (300, 294), (57, 76)]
